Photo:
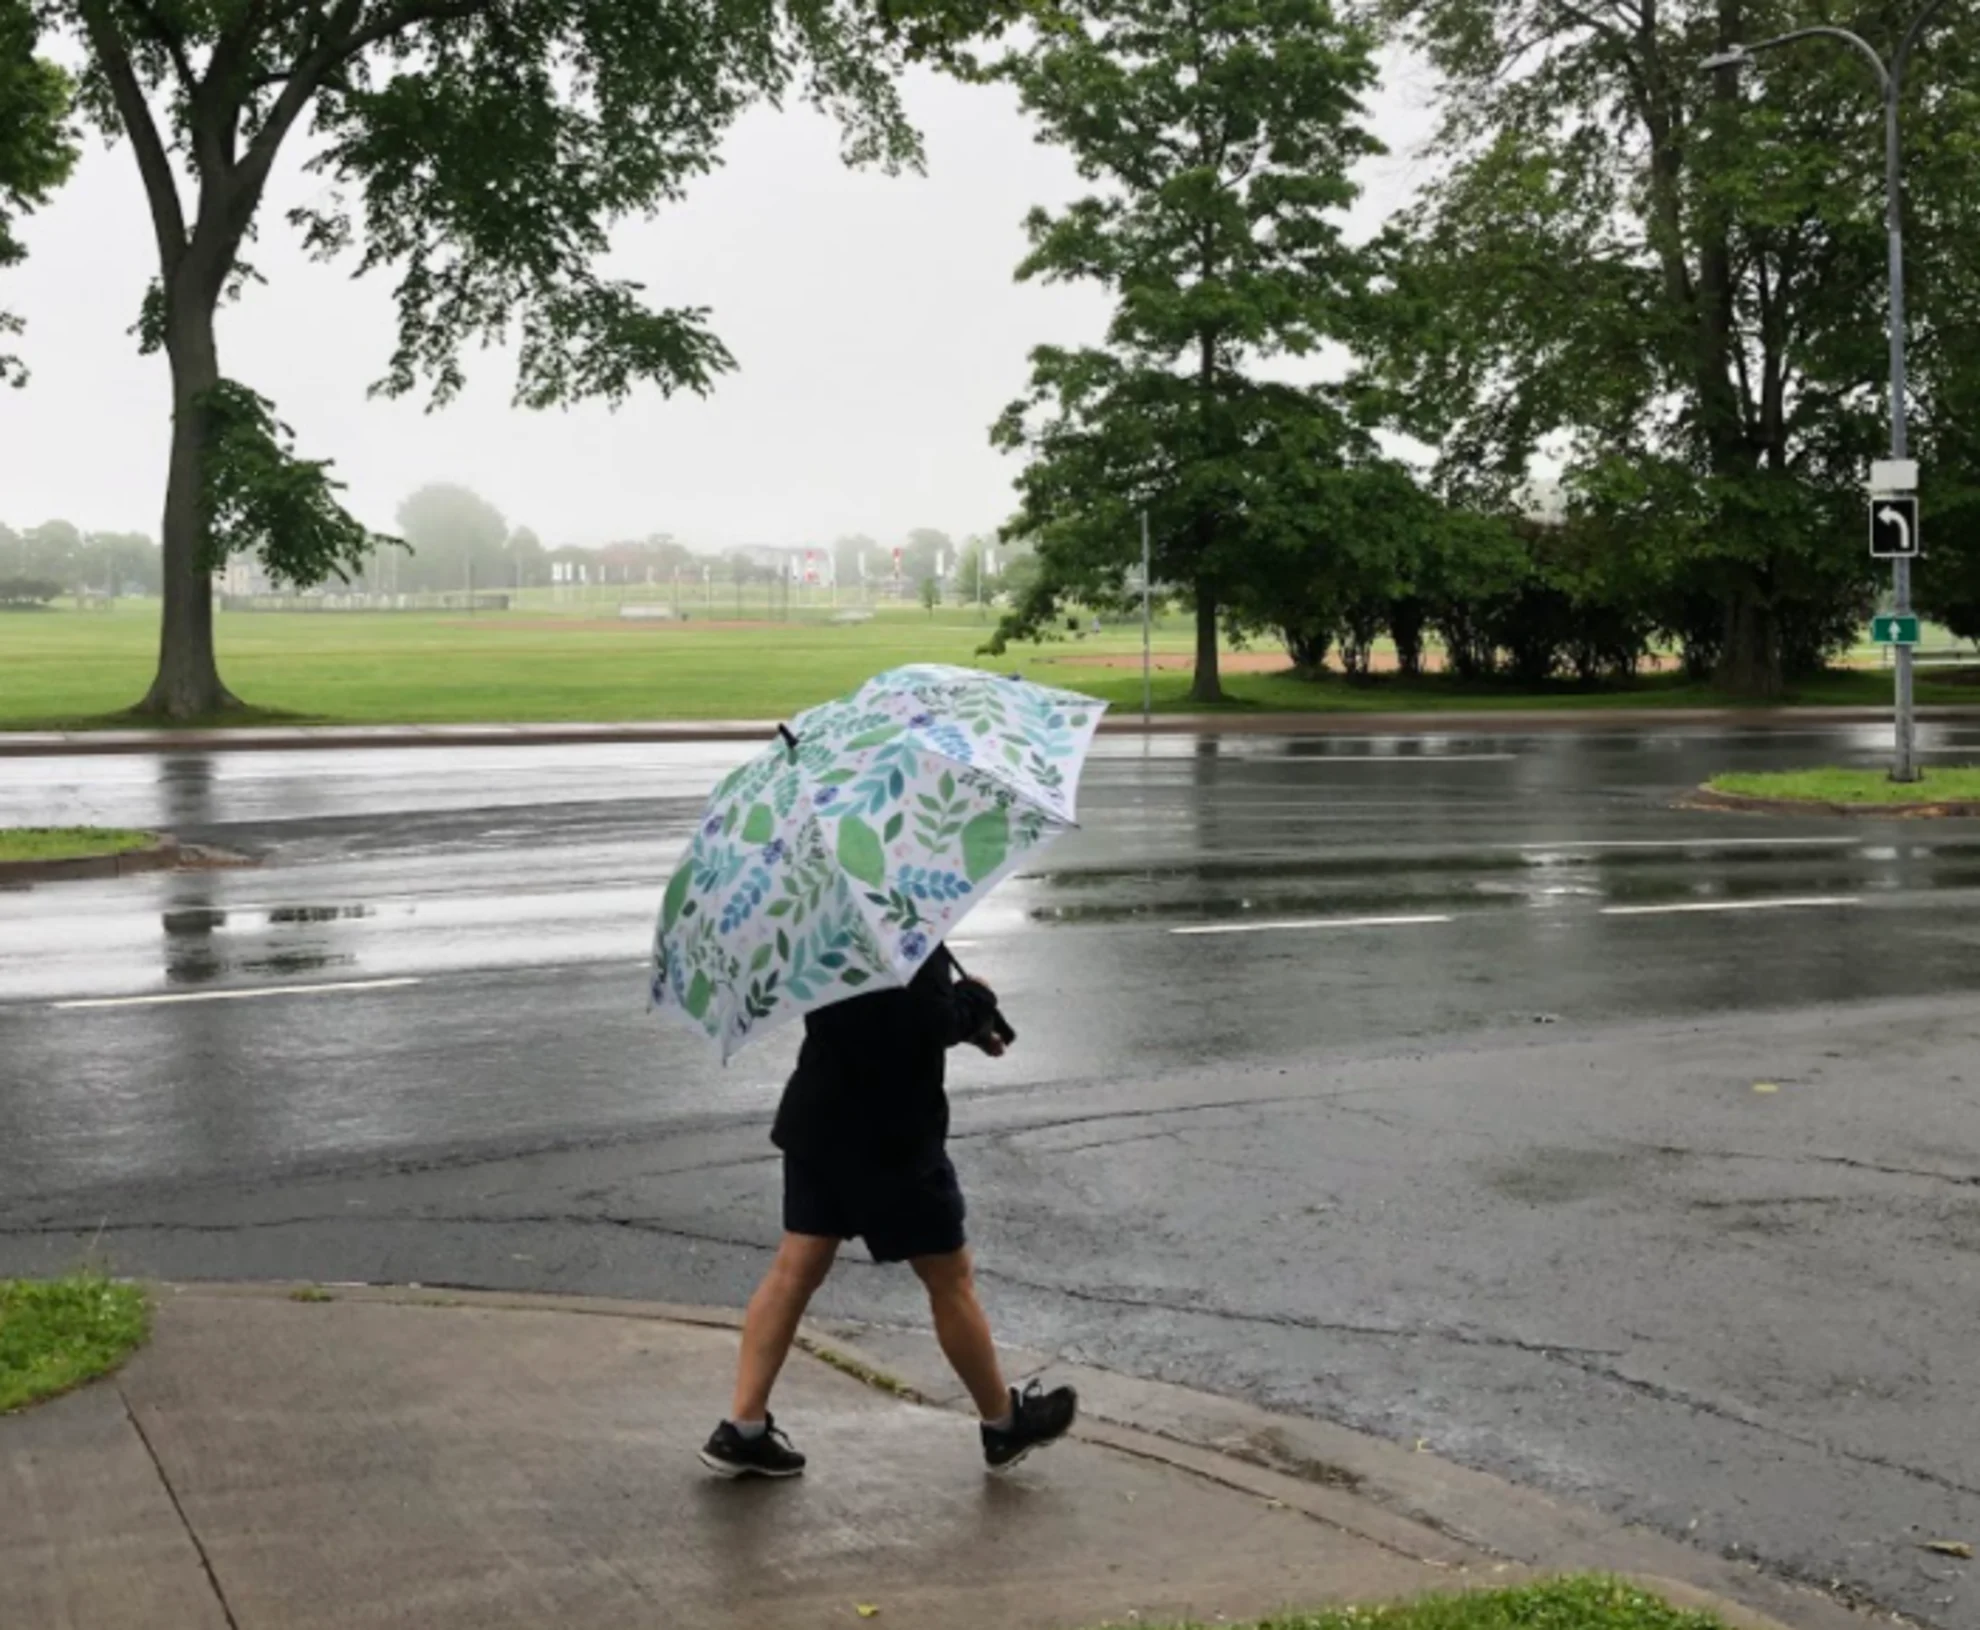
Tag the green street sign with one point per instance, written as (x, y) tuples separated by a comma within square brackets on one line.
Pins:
[(1894, 630)]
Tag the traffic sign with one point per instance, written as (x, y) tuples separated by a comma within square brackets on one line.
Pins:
[(1894, 531), (1894, 475), (1894, 630)]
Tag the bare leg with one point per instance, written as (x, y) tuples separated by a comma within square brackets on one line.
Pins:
[(771, 1324), (963, 1331)]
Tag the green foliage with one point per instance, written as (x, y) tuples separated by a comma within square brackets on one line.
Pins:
[(931, 593), (259, 496), (36, 150), (28, 591), (1219, 139), (1677, 280), (1553, 1604), (56, 1334), (73, 561), (1348, 542)]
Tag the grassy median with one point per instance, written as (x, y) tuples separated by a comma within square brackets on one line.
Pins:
[(1863, 789), (58, 1333), (1554, 1604), (67, 842)]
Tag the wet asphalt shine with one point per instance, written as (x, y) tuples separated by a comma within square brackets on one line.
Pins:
[(1462, 1088)]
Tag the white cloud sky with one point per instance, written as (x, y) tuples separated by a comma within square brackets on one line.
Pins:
[(875, 320)]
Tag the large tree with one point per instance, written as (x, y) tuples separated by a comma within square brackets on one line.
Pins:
[(35, 148), (456, 537), (1676, 281), (477, 150), (1219, 136)]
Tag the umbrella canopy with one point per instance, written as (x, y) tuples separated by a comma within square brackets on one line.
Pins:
[(835, 862)]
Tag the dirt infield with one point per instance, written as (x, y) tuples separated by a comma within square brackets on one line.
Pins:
[(1231, 662)]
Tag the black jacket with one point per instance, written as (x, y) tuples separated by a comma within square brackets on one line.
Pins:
[(869, 1085)]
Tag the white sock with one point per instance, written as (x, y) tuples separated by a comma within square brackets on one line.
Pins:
[(750, 1431), (1004, 1422)]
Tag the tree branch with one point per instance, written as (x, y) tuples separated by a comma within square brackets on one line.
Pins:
[(339, 41), (168, 40), (409, 16), (161, 187)]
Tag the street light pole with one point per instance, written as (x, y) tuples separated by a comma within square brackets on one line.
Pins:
[(1890, 79), (1147, 631)]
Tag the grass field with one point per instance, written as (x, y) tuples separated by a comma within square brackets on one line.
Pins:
[(1867, 788), (65, 669)]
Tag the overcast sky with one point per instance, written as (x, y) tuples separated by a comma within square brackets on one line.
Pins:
[(875, 320)]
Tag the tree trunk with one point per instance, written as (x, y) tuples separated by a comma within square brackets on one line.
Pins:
[(1208, 685), (1750, 664), (187, 685)]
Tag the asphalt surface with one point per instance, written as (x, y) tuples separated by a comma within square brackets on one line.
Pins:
[(1456, 1126)]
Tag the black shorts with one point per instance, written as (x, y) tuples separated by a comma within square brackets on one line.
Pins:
[(901, 1213)]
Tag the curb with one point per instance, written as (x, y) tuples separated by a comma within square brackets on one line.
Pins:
[(160, 856), (1740, 803), (1403, 1499), (1122, 722), (1408, 1502)]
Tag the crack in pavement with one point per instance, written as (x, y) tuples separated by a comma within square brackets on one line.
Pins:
[(1580, 1358), (1850, 1162), (1665, 1393), (1294, 1321), (178, 1506)]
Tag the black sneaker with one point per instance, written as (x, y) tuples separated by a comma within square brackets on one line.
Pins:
[(770, 1454), (1037, 1418)]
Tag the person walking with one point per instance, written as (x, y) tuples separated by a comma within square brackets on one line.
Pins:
[(863, 1127)]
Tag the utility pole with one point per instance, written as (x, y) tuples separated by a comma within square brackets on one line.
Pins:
[(1890, 79)]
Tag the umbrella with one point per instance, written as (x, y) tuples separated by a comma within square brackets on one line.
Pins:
[(834, 862)]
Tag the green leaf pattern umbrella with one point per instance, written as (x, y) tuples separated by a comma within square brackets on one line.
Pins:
[(835, 861)]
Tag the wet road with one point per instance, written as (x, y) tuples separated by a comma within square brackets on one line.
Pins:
[(1405, 1081)]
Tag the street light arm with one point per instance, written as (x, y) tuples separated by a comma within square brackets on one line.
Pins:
[(1911, 37), (1825, 31)]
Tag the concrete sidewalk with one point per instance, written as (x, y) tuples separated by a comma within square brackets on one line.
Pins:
[(414, 1459), (1122, 721)]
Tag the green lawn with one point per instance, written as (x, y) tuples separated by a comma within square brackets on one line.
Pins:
[(1867, 787), (58, 1333), (80, 669), (1555, 1604), (67, 842)]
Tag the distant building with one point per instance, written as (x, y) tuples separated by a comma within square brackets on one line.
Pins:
[(243, 577), (813, 566)]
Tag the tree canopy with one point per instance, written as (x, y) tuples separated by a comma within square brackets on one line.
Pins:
[(1676, 282), (1219, 136), (476, 152), (36, 150)]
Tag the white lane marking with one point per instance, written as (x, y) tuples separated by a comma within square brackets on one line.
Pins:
[(1318, 761), (1804, 903), (1692, 843), (1314, 922), (327, 989)]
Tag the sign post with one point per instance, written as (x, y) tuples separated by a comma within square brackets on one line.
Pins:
[(1897, 535)]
